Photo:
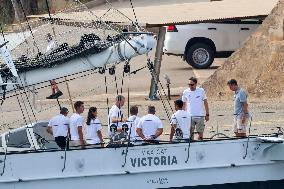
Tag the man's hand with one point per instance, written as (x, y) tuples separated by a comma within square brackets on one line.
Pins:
[(207, 117), (243, 119)]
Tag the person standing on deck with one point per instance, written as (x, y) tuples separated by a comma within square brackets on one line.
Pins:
[(180, 122), (241, 113), (58, 126), (115, 116), (76, 125), (133, 122), (150, 127), (195, 101), (94, 128)]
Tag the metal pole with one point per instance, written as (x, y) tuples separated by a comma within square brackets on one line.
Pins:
[(69, 94), (157, 63)]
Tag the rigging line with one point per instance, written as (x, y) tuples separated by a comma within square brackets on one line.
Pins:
[(24, 117), (84, 75), (122, 82), (5, 157), (29, 25), (128, 93), (25, 108), (91, 90), (51, 21), (158, 91), (163, 90), (246, 152), (133, 12), (2, 32), (28, 99), (111, 28), (106, 90)]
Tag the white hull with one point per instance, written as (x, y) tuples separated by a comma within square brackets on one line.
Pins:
[(143, 44), (210, 163)]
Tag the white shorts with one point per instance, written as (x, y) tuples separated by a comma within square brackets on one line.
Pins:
[(240, 127)]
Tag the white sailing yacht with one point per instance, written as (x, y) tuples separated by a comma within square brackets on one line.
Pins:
[(30, 159)]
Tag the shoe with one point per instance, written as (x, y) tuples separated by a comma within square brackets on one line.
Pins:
[(55, 95)]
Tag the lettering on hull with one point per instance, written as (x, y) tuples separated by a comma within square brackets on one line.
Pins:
[(153, 161)]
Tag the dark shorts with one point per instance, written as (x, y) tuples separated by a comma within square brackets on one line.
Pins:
[(61, 141)]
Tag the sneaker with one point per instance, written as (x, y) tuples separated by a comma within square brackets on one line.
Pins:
[(55, 95)]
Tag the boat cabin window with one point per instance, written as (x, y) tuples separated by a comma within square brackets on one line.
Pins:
[(18, 139)]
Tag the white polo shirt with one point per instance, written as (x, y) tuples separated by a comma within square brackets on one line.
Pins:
[(60, 125), (76, 121), (195, 101), (133, 120), (182, 120), (92, 131), (114, 112), (149, 125)]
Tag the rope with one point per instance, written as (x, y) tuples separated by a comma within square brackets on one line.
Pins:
[(91, 90), (28, 100), (158, 91), (133, 12), (29, 25)]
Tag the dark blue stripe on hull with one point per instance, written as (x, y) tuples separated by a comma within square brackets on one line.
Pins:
[(272, 184)]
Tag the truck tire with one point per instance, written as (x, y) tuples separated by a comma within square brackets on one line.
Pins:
[(200, 55)]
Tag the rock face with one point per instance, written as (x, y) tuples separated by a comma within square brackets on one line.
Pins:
[(258, 66)]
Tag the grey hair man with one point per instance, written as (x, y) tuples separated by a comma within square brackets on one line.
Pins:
[(115, 116), (241, 113), (58, 126)]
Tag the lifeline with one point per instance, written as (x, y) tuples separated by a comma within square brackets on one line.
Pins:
[(149, 161)]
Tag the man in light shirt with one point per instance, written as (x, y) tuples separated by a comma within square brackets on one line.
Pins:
[(150, 127), (133, 121), (115, 116), (241, 112), (58, 126), (76, 125), (195, 102), (180, 122)]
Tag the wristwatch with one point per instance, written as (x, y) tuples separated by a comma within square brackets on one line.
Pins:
[(207, 115)]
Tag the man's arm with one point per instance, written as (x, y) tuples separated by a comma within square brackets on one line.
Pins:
[(159, 132), (80, 133), (140, 133), (172, 131), (100, 137), (245, 111), (206, 110), (115, 119), (49, 130)]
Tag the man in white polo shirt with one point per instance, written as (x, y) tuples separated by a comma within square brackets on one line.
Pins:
[(58, 126), (195, 102), (150, 127), (180, 122), (76, 125), (115, 116)]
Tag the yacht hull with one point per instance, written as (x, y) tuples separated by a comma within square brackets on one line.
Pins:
[(220, 164)]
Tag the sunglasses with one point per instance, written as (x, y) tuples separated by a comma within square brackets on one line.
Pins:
[(191, 84)]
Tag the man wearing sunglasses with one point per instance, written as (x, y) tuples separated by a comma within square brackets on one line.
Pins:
[(195, 102)]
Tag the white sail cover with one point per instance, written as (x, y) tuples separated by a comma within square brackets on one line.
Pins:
[(7, 58)]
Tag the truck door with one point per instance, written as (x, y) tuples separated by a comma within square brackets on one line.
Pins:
[(226, 36), (246, 28)]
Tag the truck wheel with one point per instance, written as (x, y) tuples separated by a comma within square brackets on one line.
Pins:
[(200, 55)]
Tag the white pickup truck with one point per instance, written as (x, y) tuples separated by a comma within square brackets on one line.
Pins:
[(199, 44)]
